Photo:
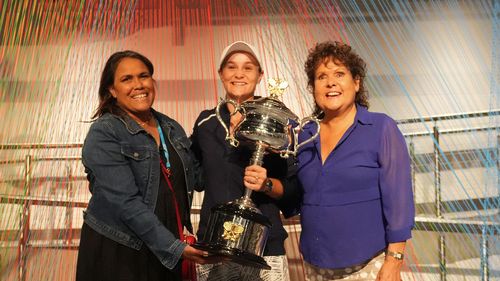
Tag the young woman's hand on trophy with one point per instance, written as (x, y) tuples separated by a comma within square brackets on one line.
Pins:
[(256, 179)]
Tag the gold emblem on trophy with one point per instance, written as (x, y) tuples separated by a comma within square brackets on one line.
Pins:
[(232, 231)]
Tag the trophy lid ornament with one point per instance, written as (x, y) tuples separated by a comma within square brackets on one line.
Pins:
[(276, 87)]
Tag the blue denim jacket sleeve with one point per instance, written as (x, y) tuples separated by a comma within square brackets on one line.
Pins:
[(114, 185)]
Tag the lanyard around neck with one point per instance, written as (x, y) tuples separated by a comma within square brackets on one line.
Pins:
[(164, 146)]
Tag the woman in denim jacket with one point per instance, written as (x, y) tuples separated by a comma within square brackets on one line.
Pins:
[(141, 175)]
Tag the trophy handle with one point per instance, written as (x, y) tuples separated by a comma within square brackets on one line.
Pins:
[(295, 132), (304, 121), (232, 140)]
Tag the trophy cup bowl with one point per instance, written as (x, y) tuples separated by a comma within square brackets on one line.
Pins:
[(238, 230), (265, 120)]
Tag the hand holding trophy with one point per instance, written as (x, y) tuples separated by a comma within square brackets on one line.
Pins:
[(237, 229)]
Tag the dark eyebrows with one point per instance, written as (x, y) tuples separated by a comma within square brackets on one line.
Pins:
[(124, 76), (318, 74), (131, 75)]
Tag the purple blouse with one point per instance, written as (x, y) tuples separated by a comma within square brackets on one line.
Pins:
[(361, 198)]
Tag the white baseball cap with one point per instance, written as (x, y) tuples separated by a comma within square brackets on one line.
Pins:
[(240, 46)]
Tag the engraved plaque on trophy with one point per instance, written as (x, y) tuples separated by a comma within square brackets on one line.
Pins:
[(238, 229)]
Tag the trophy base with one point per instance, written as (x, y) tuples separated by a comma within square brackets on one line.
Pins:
[(234, 255)]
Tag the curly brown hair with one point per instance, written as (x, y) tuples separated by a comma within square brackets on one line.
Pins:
[(339, 53)]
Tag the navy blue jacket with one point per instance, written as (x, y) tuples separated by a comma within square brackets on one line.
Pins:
[(223, 170)]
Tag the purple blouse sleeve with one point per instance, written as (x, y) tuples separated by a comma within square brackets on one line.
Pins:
[(395, 184)]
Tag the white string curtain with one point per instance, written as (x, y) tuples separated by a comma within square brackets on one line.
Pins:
[(425, 59)]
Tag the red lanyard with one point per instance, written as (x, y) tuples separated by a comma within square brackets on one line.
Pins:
[(166, 174)]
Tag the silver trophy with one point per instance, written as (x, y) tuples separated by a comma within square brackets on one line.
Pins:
[(237, 229)]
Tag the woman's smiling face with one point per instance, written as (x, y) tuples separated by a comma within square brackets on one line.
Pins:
[(133, 87), (334, 87), (240, 76)]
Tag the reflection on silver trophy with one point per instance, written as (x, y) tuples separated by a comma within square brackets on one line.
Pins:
[(237, 229)]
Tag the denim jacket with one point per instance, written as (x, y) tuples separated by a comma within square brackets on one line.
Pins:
[(122, 164)]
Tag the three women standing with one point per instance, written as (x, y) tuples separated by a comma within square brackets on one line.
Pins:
[(357, 208)]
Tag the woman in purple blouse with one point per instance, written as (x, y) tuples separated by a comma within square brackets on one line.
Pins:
[(357, 209)]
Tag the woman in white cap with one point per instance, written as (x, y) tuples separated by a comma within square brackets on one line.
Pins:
[(226, 173)]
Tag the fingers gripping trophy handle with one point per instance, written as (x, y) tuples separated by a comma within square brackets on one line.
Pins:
[(232, 140)]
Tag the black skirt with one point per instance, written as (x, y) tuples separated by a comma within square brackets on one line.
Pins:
[(102, 259)]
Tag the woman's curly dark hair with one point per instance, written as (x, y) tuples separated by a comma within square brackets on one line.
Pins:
[(340, 53)]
